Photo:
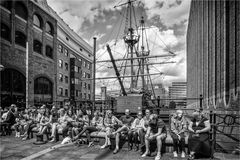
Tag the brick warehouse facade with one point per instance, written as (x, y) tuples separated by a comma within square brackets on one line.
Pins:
[(213, 54), (50, 41), (17, 18)]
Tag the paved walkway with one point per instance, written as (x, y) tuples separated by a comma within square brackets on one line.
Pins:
[(13, 148)]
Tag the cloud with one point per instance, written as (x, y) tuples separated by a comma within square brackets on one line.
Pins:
[(109, 26), (170, 11)]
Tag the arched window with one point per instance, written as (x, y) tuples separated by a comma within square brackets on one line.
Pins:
[(49, 51), (43, 89), (49, 28), (37, 20), (37, 46), (6, 4), (21, 10), (20, 38), (13, 86), (5, 32)]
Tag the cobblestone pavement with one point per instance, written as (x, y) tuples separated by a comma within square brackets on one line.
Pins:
[(13, 148)]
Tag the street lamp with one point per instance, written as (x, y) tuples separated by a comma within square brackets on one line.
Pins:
[(1, 67)]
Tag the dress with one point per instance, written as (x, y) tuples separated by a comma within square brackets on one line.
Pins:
[(200, 143)]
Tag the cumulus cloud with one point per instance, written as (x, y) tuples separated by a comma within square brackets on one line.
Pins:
[(167, 32), (170, 11)]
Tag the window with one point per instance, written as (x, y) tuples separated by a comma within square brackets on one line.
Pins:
[(37, 21), (79, 69), (76, 81), (85, 95), (7, 5), (76, 69), (37, 46), (88, 65), (5, 32), (76, 93), (72, 80), (85, 85), (89, 96), (60, 77), (66, 92), (84, 63), (89, 75), (21, 10), (20, 39), (60, 48), (66, 66), (60, 91), (66, 52), (49, 28), (66, 79), (84, 75), (89, 87), (43, 85), (49, 51), (60, 63)]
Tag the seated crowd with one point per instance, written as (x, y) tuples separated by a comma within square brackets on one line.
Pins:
[(141, 131)]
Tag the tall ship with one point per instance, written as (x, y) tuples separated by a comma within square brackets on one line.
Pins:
[(132, 71)]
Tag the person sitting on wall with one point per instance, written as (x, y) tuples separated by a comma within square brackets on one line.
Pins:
[(178, 128), (34, 121), (110, 122), (9, 120), (45, 121), (155, 131), (82, 120), (96, 125), (199, 142), (134, 131), (144, 125), (126, 124)]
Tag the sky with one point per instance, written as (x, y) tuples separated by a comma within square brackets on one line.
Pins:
[(166, 22)]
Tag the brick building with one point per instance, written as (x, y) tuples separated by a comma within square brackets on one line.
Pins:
[(51, 45), (213, 53), (21, 22)]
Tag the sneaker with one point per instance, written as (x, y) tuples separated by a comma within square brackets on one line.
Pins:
[(90, 144), (158, 157), (145, 154), (53, 140), (25, 138), (18, 134), (104, 146), (183, 155), (175, 154)]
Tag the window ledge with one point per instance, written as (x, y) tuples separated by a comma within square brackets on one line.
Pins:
[(20, 47), (6, 10), (37, 28), (49, 35), (21, 18)]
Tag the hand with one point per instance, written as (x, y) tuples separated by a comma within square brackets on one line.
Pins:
[(150, 137), (179, 137), (198, 131)]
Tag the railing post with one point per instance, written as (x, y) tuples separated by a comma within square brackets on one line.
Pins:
[(211, 133), (201, 99)]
